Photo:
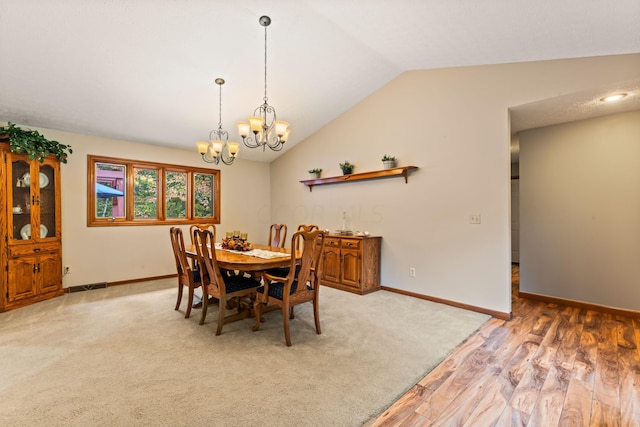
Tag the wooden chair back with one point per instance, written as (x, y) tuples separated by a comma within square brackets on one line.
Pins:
[(278, 235), (307, 268), (186, 275), (304, 227), (206, 255), (195, 227)]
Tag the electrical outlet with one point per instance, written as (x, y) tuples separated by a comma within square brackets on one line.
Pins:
[(474, 219), (67, 269), (412, 272)]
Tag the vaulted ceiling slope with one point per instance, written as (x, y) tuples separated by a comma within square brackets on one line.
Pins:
[(144, 70)]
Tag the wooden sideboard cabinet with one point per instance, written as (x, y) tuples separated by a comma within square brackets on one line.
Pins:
[(351, 263), (30, 229)]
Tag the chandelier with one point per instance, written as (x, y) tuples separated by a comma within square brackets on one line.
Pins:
[(267, 130), (218, 148)]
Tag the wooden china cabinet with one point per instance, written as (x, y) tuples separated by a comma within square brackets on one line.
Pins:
[(351, 263), (30, 229)]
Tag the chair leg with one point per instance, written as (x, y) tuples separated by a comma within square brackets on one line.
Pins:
[(257, 311), (285, 319), (205, 305), (179, 296), (190, 303), (221, 313), (291, 314), (316, 314)]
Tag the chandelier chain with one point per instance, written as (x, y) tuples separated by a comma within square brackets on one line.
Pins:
[(265, 66), (220, 107)]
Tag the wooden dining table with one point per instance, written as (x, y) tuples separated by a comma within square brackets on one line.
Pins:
[(233, 260), (244, 263)]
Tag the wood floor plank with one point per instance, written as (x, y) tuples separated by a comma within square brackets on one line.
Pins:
[(584, 367), (548, 408), (526, 393), (511, 417), (551, 399), (606, 396), (629, 372), (576, 411)]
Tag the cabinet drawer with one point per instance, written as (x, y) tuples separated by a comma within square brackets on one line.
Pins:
[(22, 250), (331, 242), (351, 243)]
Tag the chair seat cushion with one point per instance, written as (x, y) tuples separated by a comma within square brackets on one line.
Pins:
[(239, 283), (196, 276), (276, 289), (281, 271)]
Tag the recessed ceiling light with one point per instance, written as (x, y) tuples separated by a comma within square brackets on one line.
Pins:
[(613, 97)]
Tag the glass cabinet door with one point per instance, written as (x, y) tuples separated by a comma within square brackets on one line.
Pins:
[(33, 199), (47, 202), (21, 199)]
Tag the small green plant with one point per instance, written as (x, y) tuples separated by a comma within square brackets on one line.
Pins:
[(315, 171), (346, 167), (32, 143), (388, 158)]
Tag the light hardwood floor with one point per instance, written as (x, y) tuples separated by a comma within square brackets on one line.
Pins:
[(549, 365)]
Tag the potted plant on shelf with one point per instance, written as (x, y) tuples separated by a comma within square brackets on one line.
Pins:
[(388, 161), (32, 143), (315, 173), (346, 167)]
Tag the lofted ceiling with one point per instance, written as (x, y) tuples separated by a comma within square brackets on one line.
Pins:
[(144, 70)]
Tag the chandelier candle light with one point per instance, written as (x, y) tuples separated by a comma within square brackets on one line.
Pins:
[(214, 150), (267, 130)]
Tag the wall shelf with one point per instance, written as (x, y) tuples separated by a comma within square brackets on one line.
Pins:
[(384, 173)]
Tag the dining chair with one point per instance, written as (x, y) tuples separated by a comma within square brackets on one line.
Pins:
[(224, 288), (187, 276), (277, 235), (299, 286)]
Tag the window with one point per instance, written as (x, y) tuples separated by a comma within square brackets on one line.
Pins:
[(130, 192)]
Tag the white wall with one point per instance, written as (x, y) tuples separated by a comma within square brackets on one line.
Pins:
[(580, 211), (453, 124), (110, 254)]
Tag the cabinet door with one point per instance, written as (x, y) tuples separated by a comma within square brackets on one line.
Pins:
[(21, 278), (351, 267), (46, 201), (331, 264), (49, 272)]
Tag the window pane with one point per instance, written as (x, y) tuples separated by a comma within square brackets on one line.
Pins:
[(176, 194), (203, 193), (145, 193), (110, 190)]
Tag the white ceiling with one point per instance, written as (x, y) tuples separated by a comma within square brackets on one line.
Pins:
[(144, 70)]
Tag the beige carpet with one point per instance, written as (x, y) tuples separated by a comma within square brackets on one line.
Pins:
[(122, 356)]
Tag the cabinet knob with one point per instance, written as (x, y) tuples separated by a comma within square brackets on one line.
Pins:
[(36, 250)]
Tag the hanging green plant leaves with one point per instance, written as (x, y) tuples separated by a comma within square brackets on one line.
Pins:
[(32, 143)]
